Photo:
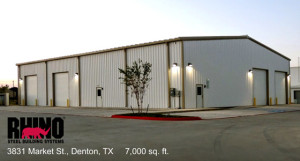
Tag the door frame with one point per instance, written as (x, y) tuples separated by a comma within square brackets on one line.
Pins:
[(267, 83), (285, 84), (101, 88), (53, 86), (25, 87), (202, 94)]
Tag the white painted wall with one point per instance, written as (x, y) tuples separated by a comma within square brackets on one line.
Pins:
[(38, 69), (295, 81), (64, 65), (175, 72), (226, 64), (295, 76), (157, 94), (101, 70)]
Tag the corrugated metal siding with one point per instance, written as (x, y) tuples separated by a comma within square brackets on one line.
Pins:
[(294, 81), (38, 69), (64, 65), (226, 64), (101, 70), (176, 72), (295, 76), (156, 96)]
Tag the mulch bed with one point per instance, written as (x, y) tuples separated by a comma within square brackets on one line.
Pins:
[(158, 117)]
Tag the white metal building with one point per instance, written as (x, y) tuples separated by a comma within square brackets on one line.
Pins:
[(295, 84), (187, 72)]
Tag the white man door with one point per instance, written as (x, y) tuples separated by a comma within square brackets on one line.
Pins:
[(99, 94), (31, 90), (199, 95)]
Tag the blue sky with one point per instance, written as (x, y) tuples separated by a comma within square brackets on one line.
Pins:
[(34, 29)]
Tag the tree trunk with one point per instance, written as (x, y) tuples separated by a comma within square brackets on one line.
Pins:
[(142, 97), (138, 101)]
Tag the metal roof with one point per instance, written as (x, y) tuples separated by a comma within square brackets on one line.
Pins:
[(158, 42)]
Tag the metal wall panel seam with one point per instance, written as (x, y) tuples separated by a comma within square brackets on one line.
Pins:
[(183, 75), (126, 88), (268, 89), (19, 87), (46, 63), (168, 74), (286, 89), (79, 82), (290, 80)]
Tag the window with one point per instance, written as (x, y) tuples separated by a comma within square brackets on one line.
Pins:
[(199, 90), (99, 92)]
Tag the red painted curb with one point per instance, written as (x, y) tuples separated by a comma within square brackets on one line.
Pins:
[(157, 118)]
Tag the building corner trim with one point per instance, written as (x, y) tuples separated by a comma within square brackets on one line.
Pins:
[(168, 75), (79, 81), (126, 88), (183, 74)]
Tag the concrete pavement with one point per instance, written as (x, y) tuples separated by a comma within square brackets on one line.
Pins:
[(262, 137), (75, 111), (204, 113), (241, 111)]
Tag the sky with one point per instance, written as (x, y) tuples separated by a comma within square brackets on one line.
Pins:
[(37, 29)]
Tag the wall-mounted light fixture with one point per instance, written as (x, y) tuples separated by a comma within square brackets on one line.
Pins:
[(250, 73), (174, 64), (21, 80), (207, 83), (190, 64), (76, 76)]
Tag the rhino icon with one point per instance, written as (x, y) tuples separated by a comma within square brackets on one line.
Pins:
[(35, 132)]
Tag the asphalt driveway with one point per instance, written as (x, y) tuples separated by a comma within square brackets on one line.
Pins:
[(260, 137)]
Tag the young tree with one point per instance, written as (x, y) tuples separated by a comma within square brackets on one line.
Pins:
[(137, 79)]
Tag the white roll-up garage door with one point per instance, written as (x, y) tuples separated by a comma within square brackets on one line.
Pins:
[(31, 90), (260, 86), (280, 87), (61, 89)]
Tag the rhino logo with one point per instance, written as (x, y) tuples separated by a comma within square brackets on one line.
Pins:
[(35, 132), (37, 127)]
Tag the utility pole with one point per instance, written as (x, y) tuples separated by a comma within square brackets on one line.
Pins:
[(13, 83)]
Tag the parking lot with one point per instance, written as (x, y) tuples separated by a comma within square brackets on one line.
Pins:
[(272, 134), (204, 113)]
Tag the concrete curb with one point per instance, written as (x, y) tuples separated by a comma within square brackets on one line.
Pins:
[(183, 118)]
